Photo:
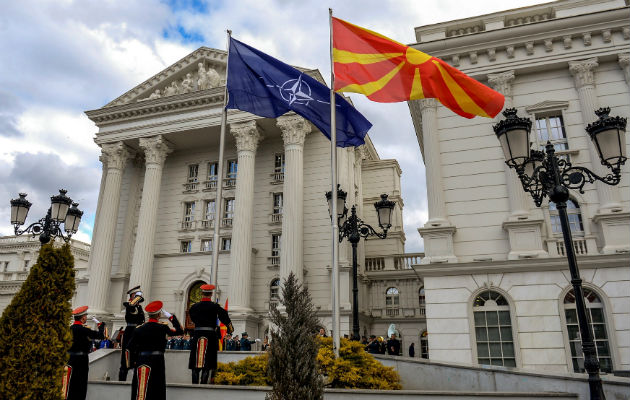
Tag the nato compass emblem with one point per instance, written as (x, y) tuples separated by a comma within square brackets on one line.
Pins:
[(296, 91)]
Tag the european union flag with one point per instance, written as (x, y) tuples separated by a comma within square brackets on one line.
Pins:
[(264, 86)]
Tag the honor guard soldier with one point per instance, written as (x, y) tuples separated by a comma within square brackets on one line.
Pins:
[(147, 351), (134, 316), (204, 343), (75, 373)]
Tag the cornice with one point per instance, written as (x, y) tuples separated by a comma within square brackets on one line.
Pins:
[(370, 165)]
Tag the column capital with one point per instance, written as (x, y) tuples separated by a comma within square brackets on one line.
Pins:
[(247, 135), (502, 82), (294, 129), (360, 153), (427, 104), (582, 71), (624, 63), (115, 155), (156, 148)]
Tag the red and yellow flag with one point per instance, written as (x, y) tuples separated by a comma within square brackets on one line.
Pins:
[(387, 71), (222, 329)]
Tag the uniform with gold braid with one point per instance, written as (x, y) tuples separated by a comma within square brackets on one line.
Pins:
[(75, 373), (134, 316), (147, 352), (204, 342)]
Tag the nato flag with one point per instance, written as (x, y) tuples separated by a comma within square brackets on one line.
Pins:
[(260, 84)]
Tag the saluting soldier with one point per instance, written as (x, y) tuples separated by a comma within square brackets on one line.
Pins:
[(204, 343), (147, 351), (75, 373), (134, 316)]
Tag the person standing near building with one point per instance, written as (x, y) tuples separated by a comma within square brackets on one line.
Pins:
[(147, 352), (246, 344), (134, 316), (412, 350), (393, 345), (75, 373), (204, 343)]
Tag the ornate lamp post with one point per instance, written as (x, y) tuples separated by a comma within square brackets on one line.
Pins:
[(48, 227), (545, 174), (354, 229)]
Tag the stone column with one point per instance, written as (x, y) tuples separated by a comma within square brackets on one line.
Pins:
[(519, 204), (583, 73), (114, 156), (294, 130), (247, 138), (624, 63), (156, 149)]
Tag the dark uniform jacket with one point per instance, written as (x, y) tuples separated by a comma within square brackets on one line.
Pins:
[(393, 347), (134, 316), (147, 348), (204, 342), (76, 373), (373, 347), (246, 344)]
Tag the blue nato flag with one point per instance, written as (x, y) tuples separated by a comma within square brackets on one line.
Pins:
[(264, 86)]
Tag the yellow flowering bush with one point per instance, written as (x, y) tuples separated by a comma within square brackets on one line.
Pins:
[(251, 371)]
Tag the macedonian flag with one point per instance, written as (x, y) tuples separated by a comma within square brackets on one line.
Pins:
[(387, 71)]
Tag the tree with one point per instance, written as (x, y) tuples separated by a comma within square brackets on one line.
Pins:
[(34, 329), (292, 363)]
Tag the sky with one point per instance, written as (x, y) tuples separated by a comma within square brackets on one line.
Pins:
[(60, 58)]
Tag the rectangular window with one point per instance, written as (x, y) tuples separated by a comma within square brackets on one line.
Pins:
[(213, 171), (550, 127), (186, 246), (277, 203), (279, 163), (232, 167), (228, 210), (275, 245), (206, 244), (226, 244), (26, 262), (209, 210), (193, 172)]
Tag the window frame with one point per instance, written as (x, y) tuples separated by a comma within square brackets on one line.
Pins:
[(228, 173), (181, 246), (189, 177), (224, 240), (273, 299), (552, 215), (546, 116), (201, 247)]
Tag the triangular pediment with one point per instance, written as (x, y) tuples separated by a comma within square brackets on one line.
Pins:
[(547, 105), (202, 69)]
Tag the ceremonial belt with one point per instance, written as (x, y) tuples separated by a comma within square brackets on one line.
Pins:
[(151, 353), (205, 328), (77, 353)]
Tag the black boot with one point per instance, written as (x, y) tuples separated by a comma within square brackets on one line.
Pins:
[(195, 376), (205, 374), (122, 374)]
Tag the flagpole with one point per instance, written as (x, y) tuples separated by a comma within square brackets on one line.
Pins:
[(217, 200), (336, 334)]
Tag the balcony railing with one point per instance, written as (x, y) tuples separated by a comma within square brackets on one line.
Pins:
[(274, 260), (191, 186), (210, 184), (229, 183), (277, 177), (207, 223), (581, 246), (275, 218), (188, 225), (392, 312), (393, 262), (226, 222)]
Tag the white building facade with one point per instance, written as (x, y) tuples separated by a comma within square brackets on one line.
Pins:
[(496, 277), (155, 215)]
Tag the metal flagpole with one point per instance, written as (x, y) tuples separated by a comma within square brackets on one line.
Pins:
[(336, 334), (217, 200)]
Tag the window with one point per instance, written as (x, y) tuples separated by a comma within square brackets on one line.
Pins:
[(209, 210), (279, 163), (193, 173), (206, 244), (422, 301), (228, 212), (189, 215), (26, 263), (186, 246), (226, 244), (424, 345), (597, 322), (493, 330), (277, 203), (274, 291), (392, 301), (213, 171), (550, 128), (573, 214), (232, 167)]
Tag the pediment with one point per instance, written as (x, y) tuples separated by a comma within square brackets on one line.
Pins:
[(202, 69), (547, 105)]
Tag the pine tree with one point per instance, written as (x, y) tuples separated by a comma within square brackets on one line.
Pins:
[(34, 329), (293, 358)]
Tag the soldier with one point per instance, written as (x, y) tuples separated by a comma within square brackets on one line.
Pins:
[(75, 373), (134, 316), (205, 341), (147, 352)]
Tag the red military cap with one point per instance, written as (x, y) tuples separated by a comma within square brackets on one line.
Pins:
[(154, 307), (207, 288), (77, 312)]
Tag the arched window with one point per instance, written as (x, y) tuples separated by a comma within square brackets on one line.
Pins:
[(274, 291), (422, 301), (595, 311), (392, 301), (424, 345), (493, 330), (573, 213)]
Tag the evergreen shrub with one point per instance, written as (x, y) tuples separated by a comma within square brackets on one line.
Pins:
[(35, 329)]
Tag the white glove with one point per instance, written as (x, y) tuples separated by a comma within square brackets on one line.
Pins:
[(258, 340), (167, 314), (96, 320)]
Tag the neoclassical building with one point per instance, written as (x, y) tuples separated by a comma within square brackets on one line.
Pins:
[(496, 276), (156, 206)]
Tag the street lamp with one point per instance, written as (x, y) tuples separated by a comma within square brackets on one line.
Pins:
[(545, 174), (48, 227), (354, 229)]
